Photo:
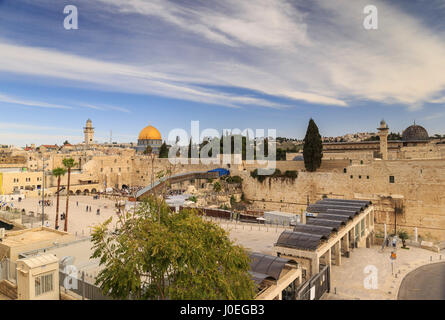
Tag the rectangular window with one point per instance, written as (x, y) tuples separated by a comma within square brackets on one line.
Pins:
[(44, 284), (391, 179)]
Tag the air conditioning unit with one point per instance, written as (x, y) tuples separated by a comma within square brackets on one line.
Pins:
[(2, 233)]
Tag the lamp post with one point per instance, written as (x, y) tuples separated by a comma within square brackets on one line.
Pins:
[(43, 191)]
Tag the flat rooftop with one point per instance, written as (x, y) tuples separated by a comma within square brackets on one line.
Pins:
[(81, 250), (35, 235)]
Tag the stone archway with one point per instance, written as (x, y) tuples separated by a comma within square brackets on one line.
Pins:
[(78, 192), (94, 191), (86, 192)]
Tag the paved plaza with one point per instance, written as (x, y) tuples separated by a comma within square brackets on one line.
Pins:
[(79, 220), (347, 280)]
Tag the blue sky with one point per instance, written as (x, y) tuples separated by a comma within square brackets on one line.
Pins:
[(229, 64)]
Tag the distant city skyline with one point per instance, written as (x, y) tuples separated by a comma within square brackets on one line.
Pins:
[(231, 64)]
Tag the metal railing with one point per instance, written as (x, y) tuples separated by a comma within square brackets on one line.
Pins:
[(81, 287), (316, 286)]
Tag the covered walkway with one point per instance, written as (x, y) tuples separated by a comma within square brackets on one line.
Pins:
[(332, 229)]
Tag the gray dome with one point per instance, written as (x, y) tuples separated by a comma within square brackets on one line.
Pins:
[(415, 133)]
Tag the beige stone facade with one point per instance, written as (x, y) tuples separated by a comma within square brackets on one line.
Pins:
[(415, 187)]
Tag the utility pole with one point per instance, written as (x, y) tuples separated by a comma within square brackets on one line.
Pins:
[(43, 191), (395, 220)]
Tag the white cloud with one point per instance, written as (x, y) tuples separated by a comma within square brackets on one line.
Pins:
[(270, 47), (24, 102), (25, 126), (105, 107), (434, 116)]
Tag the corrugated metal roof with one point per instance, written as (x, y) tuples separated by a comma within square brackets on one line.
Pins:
[(312, 229), (335, 224), (299, 240), (266, 265), (331, 216)]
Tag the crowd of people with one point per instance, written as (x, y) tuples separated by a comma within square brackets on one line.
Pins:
[(46, 203)]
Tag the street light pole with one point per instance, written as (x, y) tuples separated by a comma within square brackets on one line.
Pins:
[(43, 192)]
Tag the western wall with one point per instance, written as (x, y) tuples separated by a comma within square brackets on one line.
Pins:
[(415, 189)]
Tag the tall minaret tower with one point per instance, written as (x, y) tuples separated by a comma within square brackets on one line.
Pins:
[(383, 134), (89, 132)]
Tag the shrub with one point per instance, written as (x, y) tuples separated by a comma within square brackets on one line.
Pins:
[(291, 174), (234, 179), (217, 186), (192, 198)]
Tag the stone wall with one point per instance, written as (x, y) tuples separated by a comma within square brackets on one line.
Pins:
[(418, 191)]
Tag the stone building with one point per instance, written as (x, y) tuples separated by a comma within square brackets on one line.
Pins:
[(415, 144), (89, 133)]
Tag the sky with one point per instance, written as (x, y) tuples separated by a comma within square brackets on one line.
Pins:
[(228, 64)]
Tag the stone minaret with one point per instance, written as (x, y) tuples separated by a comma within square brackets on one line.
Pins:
[(89, 132), (383, 134)]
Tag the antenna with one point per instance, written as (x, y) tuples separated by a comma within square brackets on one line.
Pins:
[(111, 136)]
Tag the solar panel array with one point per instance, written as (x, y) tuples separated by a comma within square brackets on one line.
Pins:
[(331, 215)]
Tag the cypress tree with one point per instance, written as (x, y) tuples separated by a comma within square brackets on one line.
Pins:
[(163, 151), (190, 149), (313, 147)]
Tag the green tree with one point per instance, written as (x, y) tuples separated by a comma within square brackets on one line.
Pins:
[(313, 148), (156, 254), (163, 151), (68, 163), (217, 186), (58, 172), (281, 155), (148, 150), (403, 235)]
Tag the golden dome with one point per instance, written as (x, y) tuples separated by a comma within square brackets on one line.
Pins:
[(150, 133)]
